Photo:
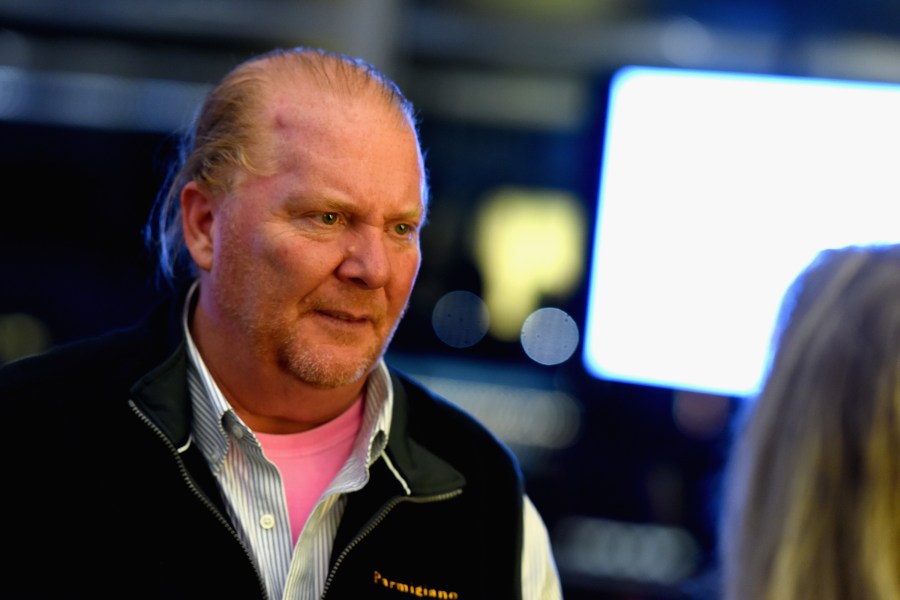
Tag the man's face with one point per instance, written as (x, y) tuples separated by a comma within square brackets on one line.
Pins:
[(313, 265)]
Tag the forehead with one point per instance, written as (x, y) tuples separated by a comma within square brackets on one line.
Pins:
[(307, 86), (359, 145), (310, 105)]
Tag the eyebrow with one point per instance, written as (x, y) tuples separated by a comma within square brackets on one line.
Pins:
[(417, 214), (326, 203)]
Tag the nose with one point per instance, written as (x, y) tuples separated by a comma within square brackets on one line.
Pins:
[(366, 262)]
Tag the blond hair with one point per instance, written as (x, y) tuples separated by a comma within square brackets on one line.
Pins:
[(812, 497)]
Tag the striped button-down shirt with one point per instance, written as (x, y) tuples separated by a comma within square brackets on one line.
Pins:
[(255, 498)]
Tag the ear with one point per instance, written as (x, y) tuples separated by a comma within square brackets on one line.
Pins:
[(197, 214)]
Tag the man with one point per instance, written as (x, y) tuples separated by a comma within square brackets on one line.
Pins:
[(247, 440)]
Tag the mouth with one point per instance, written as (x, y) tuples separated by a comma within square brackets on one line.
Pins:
[(345, 317)]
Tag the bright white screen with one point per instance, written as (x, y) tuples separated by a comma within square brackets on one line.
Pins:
[(716, 190)]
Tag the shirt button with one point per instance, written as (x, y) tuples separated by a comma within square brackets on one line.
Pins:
[(267, 521)]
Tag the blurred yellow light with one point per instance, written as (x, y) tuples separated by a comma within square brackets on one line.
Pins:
[(529, 244)]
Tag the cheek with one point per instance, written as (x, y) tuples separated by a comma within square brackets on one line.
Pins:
[(298, 258), (250, 256), (281, 256), (229, 250), (406, 269)]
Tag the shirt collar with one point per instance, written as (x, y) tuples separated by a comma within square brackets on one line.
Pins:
[(215, 423)]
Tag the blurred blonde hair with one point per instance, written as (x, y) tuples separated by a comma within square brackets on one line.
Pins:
[(812, 497)]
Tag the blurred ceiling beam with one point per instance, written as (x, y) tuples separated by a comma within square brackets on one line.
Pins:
[(236, 28), (48, 47), (197, 43)]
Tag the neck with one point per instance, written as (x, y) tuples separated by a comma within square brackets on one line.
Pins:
[(296, 412)]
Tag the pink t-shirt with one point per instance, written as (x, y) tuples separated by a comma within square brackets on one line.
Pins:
[(308, 461)]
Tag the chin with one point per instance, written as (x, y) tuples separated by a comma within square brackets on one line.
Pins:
[(336, 379), (326, 373)]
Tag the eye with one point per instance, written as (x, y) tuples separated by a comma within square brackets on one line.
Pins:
[(330, 218), (405, 231)]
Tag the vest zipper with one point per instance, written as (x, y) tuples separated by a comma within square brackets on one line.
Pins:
[(198, 493), (374, 522)]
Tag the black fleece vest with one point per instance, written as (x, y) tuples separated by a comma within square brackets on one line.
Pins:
[(460, 541)]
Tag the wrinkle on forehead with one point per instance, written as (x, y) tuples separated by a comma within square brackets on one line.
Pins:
[(299, 110)]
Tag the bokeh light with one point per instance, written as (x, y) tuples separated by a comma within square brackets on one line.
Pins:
[(529, 244), (605, 548), (549, 336), (22, 335), (460, 319)]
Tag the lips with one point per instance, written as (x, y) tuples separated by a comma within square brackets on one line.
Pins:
[(344, 316), (348, 310)]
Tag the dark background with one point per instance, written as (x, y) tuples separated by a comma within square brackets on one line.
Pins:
[(91, 93)]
